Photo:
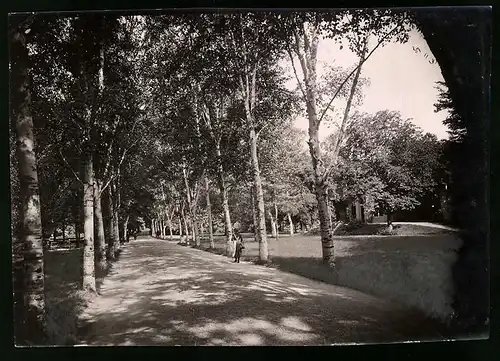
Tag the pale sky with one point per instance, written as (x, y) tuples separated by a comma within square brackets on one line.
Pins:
[(400, 79)]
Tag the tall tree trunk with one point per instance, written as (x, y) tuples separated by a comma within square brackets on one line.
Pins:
[(248, 89), (88, 228), (331, 212), (273, 224), (276, 221), (194, 236), (209, 214), (260, 209), (185, 225), (170, 229), (118, 204), (186, 229), (100, 241), (191, 207), (31, 277), (124, 227), (221, 180), (254, 215), (194, 212), (308, 65), (110, 254), (180, 226), (116, 229), (228, 226), (320, 188), (63, 232), (290, 222)]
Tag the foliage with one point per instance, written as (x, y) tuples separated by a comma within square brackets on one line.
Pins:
[(387, 159)]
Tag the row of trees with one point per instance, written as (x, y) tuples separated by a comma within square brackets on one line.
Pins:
[(162, 116), (234, 82), (76, 112)]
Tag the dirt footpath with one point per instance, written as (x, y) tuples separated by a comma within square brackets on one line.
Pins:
[(159, 293)]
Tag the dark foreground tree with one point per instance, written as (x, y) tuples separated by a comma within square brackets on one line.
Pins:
[(460, 40), (32, 330)]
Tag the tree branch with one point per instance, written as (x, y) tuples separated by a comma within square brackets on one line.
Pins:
[(301, 56), (118, 167), (70, 167), (295, 72), (261, 129), (107, 184), (307, 44), (355, 69), (110, 148), (235, 49), (158, 158), (340, 135), (254, 76)]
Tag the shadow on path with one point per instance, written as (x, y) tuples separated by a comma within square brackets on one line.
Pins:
[(163, 294)]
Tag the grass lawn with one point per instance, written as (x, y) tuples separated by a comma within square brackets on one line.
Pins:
[(413, 270), (368, 229), (64, 297)]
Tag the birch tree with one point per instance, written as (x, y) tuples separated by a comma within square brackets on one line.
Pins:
[(306, 32)]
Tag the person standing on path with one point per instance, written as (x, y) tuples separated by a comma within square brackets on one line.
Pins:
[(239, 247)]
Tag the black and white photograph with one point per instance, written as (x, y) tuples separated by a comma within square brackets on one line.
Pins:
[(250, 177)]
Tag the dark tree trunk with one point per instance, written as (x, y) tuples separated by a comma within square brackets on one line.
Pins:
[(114, 219), (100, 241), (259, 198), (63, 230), (124, 228), (273, 224), (32, 325), (254, 215), (228, 227), (461, 43), (320, 190), (170, 229), (209, 214), (88, 228), (110, 254), (290, 222)]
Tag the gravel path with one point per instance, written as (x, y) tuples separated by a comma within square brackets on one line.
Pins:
[(159, 293)]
